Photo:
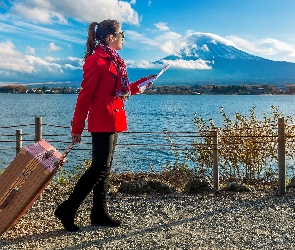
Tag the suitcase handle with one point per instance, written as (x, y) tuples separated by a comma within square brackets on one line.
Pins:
[(62, 159)]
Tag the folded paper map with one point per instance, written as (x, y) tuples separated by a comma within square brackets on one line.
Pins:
[(151, 80)]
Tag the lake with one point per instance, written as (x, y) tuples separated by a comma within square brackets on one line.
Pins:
[(151, 114)]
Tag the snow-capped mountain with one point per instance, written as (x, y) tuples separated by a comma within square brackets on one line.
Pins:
[(212, 59), (208, 46)]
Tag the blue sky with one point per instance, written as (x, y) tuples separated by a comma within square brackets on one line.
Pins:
[(44, 40)]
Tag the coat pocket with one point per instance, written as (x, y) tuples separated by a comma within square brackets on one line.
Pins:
[(115, 106), (109, 103)]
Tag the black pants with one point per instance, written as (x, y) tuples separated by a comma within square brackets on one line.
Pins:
[(96, 176)]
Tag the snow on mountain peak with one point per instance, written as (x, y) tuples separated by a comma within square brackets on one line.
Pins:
[(200, 37), (205, 48), (208, 46), (196, 51)]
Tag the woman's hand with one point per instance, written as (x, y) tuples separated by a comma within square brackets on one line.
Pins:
[(76, 138)]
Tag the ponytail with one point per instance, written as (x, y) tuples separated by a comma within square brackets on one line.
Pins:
[(91, 41)]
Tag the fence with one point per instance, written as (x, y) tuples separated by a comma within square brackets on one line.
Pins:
[(56, 135), (213, 146)]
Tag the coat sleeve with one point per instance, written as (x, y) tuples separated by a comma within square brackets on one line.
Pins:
[(85, 97)]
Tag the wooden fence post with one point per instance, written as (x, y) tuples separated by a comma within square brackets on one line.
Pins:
[(215, 160), (38, 129), (18, 140), (281, 156)]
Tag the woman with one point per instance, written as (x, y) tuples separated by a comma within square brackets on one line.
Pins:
[(105, 87)]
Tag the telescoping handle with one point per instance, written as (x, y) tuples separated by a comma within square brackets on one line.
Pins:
[(62, 159)]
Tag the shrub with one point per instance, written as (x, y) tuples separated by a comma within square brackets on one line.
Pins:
[(247, 146)]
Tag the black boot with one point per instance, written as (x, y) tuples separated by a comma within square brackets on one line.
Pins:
[(103, 219), (66, 215), (99, 215), (66, 211)]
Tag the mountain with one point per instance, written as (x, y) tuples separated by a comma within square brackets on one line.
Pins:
[(217, 61)]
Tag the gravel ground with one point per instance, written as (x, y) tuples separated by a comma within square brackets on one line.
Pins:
[(256, 220)]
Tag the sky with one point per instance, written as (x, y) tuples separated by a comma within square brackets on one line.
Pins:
[(44, 40)]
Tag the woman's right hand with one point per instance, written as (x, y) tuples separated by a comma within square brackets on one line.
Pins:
[(76, 138)]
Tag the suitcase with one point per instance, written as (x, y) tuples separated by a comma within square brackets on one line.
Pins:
[(25, 178)]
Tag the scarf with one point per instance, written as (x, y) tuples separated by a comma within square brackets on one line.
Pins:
[(123, 88)]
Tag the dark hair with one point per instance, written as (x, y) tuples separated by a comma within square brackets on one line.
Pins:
[(99, 35)]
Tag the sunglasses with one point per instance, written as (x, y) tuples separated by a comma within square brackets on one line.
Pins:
[(121, 33)]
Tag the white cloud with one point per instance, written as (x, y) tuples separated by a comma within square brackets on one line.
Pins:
[(250, 47), (7, 28), (162, 26), (169, 47), (39, 31), (13, 62), (8, 49), (191, 64), (39, 64), (19, 28), (74, 58), (140, 64), (74, 61), (126, 13), (269, 48), (197, 64), (18, 65), (277, 45), (170, 42), (70, 66), (38, 13), (53, 47), (51, 59), (30, 50), (49, 11)]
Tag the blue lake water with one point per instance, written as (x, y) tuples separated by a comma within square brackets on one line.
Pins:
[(146, 113)]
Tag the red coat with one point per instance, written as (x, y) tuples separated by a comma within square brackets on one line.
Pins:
[(106, 113)]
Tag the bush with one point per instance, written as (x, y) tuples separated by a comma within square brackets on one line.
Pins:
[(247, 147)]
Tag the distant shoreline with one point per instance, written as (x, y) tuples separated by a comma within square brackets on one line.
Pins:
[(171, 90)]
